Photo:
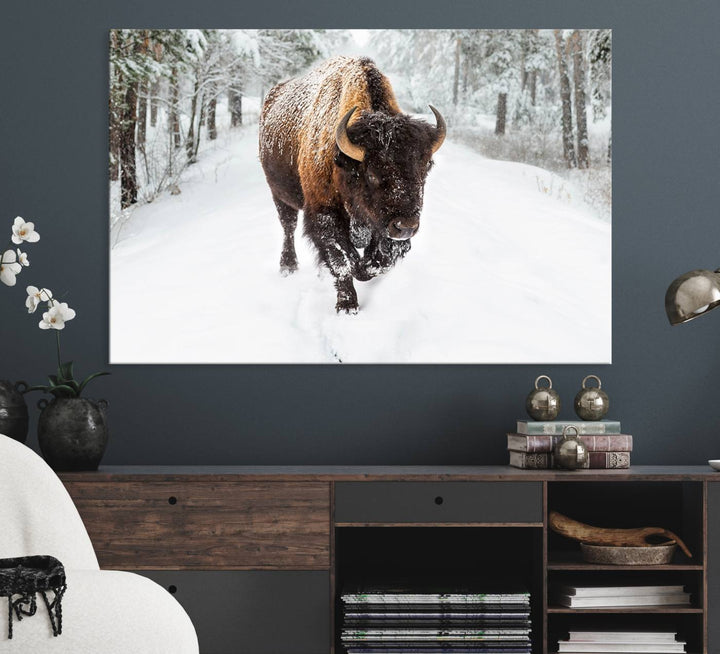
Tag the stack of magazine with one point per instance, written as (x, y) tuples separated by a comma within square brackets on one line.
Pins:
[(600, 642), (392, 621)]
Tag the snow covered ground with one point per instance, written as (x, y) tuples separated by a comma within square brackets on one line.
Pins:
[(509, 266)]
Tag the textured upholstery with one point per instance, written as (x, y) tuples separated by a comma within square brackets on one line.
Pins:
[(104, 612), (36, 512)]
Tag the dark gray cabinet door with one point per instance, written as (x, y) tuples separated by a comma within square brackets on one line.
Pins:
[(713, 572), (439, 501), (255, 612)]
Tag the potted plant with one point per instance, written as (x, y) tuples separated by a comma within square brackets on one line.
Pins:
[(72, 430)]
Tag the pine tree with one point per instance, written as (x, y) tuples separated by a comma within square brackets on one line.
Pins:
[(600, 59)]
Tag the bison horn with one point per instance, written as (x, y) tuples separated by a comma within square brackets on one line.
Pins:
[(441, 129), (343, 142)]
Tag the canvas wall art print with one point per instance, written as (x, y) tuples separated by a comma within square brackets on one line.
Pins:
[(360, 196)]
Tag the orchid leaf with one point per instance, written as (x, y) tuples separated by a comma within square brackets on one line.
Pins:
[(88, 379), (65, 371), (45, 389), (63, 391)]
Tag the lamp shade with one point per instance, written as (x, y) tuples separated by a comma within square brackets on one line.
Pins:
[(691, 295)]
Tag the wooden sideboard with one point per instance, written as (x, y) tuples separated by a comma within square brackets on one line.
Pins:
[(258, 555)]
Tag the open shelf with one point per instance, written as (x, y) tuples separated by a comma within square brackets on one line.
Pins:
[(688, 624), (677, 507), (572, 560), (484, 559)]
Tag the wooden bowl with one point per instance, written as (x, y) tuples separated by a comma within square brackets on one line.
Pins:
[(615, 555)]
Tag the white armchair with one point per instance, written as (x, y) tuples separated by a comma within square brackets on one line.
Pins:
[(104, 612)]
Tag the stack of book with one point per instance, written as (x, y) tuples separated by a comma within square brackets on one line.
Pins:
[(647, 642), (583, 597), (531, 446), (384, 621)]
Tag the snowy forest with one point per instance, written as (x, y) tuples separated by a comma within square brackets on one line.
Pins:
[(518, 95), (184, 107)]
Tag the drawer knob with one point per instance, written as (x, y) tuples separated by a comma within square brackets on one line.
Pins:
[(439, 500), (172, 589), (172, 500)]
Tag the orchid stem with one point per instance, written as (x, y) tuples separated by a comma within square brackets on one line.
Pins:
[(57, 334)]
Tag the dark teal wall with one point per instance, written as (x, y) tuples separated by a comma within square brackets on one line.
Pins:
[(664, 383)]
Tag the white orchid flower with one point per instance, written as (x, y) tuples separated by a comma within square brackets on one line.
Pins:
[(22, 258), (9, 267), (36, 296), (23, 231), (56, 317)]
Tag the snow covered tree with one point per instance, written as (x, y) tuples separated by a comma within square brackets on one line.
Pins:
[(566, 100), (128, 49), (600, 58), (501, 60), (285, 53), (578, 55), (419, 61), (456, 82)]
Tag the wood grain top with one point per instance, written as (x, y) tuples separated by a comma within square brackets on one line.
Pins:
[(389, 473)]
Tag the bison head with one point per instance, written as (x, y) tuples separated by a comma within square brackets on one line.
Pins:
[(381, 165)]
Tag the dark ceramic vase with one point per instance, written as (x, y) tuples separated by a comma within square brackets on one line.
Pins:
[(13, 410), (73, 433)]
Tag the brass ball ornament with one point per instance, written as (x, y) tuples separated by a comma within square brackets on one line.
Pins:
[(543, 403), (591, 403), (570, 452)]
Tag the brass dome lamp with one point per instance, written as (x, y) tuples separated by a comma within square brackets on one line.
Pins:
[(691, 295)]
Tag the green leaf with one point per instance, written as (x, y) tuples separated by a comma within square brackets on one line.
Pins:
[(63, 391), (88, 379), (65, 371), (45, 389), (53, 380)]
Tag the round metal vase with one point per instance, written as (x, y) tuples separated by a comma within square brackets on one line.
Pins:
[(591, 403), (543, 403), (73, 433), (13, 410), (570, 453)]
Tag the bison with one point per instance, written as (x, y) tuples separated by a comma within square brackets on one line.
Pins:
[(334, 144)]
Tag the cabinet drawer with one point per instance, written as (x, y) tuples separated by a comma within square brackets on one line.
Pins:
[(185, 525), (254, 611), (453, 502)]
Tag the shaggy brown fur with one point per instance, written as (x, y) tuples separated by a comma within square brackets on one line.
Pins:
[(347, 204)]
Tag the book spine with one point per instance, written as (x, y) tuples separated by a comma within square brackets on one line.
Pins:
[(596, 460), (603, 461), (608, 460), (530, 461), (556, 428), (593, 442)]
